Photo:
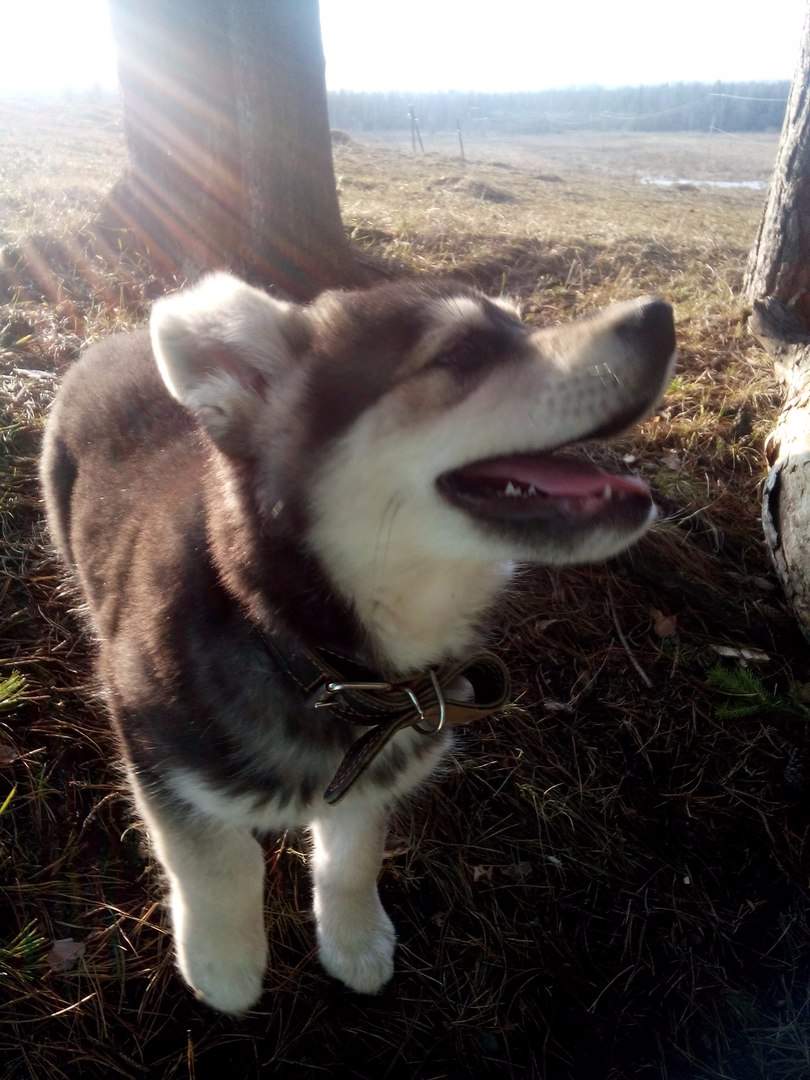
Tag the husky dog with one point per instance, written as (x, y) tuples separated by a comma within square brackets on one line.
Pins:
[(252, 494)]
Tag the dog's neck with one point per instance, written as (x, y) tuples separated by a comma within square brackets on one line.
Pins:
[(413, 612), (268, 570), (422, 611)]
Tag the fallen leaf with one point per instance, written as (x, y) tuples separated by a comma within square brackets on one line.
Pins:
[(671, 461), (8, 752), (557, 706), (664, 625), (519, 871), (64, 954), (397, 850), (741, 653), (758, 582)]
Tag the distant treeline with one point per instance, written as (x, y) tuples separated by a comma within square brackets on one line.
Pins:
[(738, 106)]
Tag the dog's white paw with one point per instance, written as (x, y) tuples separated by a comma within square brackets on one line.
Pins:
[(226, 971), (362, 959)]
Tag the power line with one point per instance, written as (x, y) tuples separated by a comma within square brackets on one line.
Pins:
[(650, 115), (742, 97)]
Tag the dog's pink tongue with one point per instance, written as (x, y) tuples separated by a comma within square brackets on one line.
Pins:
[(556, 476)]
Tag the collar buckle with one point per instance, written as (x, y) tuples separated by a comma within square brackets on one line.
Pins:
[(328, 700)]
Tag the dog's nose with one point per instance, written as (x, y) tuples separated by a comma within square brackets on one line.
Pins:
[(648, 326), (642, 367)]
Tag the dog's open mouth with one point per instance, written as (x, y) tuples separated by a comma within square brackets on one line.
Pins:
[(546, 487)]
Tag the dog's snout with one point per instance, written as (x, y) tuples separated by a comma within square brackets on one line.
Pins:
[(646, 329), (649, 326)]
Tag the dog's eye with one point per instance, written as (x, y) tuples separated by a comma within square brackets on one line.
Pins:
[(464, 357)]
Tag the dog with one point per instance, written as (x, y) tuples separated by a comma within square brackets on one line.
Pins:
[(290, 525)]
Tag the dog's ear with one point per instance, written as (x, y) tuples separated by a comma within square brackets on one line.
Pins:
[(218, 346)]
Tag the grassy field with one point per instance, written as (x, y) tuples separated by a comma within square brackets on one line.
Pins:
[(609, 154), (611, 881)]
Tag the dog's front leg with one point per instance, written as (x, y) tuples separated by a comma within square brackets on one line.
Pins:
[(355, 935), (216, 879)]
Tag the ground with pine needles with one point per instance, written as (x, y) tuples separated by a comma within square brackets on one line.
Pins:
[(611, 879)]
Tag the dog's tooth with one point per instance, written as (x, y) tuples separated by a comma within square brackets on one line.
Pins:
[(532, 490), (510, 489), (607, 491)]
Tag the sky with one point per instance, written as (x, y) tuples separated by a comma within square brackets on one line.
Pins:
[(488, 45)]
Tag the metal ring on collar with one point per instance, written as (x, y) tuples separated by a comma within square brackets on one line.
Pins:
[(440, 701)]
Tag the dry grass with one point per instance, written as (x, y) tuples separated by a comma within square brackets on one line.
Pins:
[(611, 880), (609, 154), (56, 163)]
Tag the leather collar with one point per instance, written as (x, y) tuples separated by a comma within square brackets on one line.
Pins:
[(359, 696)]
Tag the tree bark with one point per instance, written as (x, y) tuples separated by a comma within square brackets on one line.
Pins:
[(779, 265), (786, 495), (778, 286), (288, 172), (230, 154)]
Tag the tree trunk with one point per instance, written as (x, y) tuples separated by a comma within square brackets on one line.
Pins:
[(288, 174), (779, 264), (228, 135), (786, 496), (778, 286)]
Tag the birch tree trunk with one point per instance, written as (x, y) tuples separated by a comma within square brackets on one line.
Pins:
[(778, 286), (230, 157)]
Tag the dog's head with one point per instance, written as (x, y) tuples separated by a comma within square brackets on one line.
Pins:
[(421, 420)]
